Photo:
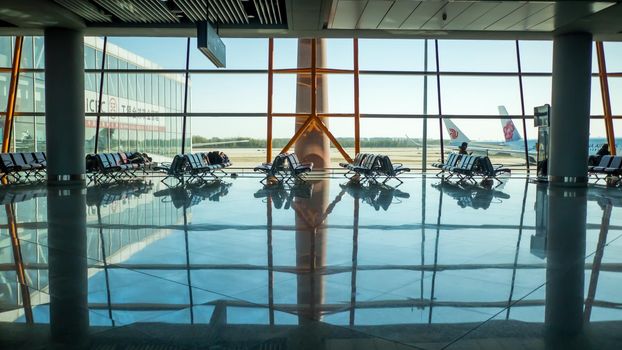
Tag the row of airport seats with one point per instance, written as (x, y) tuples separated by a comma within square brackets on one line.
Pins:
[(25, 166), (197, 166), (466, 167), (286, 168), (110, 167), (372, 166), (608, 166)]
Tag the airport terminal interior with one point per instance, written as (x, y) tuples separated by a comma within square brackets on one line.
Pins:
[(310, 174)]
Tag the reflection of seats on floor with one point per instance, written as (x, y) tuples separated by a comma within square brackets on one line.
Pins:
[(282, 196), (193, 194), (377, 195), (212, 191), (107, 193), (604, 196), (14, 194), (469, 195)]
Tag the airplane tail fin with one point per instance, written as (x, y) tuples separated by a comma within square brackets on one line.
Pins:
[(510, 132), (455, 134)]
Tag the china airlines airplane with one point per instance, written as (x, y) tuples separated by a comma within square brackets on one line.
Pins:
[(513, 143)]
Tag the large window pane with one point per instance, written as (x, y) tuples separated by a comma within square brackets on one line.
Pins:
[(537, 92), (154, 52), (27, 53), (25, 93), (613, 56), (390, 94), (24, 134), (479, 95), (400, 138), (338, 53), (6, 49), (393, 54), (477, 56), (286, 53), (284, 95), (536, 56), (615, 93), (340, 93), (38, 51), (229, 93), (89, 57)]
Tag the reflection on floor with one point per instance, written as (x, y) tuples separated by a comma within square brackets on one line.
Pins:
[(235, 265)]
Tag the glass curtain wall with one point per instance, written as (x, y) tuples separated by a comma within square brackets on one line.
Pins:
[(131, 101), (404, 88), (480, 86)]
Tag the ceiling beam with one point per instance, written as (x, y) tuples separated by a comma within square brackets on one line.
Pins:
[(38, 14)]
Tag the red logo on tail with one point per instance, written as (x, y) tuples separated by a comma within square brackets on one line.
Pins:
[(453, 133), (508, 131)]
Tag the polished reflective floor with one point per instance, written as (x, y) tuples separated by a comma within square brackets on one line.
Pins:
[(325, 265)]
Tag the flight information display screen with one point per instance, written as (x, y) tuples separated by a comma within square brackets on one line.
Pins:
[(542, 115)]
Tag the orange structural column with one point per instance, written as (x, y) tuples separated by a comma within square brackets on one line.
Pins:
[(312, 135), (357, 113), (604, 91), (10, 111), (270, 84), (311, 97)]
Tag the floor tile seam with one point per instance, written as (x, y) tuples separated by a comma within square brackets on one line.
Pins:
[(459, 338)]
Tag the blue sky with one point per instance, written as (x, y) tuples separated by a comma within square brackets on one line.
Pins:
[(382, 94)]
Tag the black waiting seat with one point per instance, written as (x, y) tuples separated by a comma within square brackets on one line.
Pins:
[(17, 167), (40, 158), (602, 165), (358, 160), (390, 170), (368, 167), (450, 163), (174, 169), (276, 168), (109, 167), (466, 167), (487, 170), (597, 170), (297, 170), (198, 166), (615, 167)]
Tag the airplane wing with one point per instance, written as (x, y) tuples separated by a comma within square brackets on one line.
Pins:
[(199, 145), (507, 151)]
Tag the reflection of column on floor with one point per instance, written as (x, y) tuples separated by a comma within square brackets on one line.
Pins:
[(69, 315), (565, 272), (598, 259), (19, 262), (313, 145), (311, 251)]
